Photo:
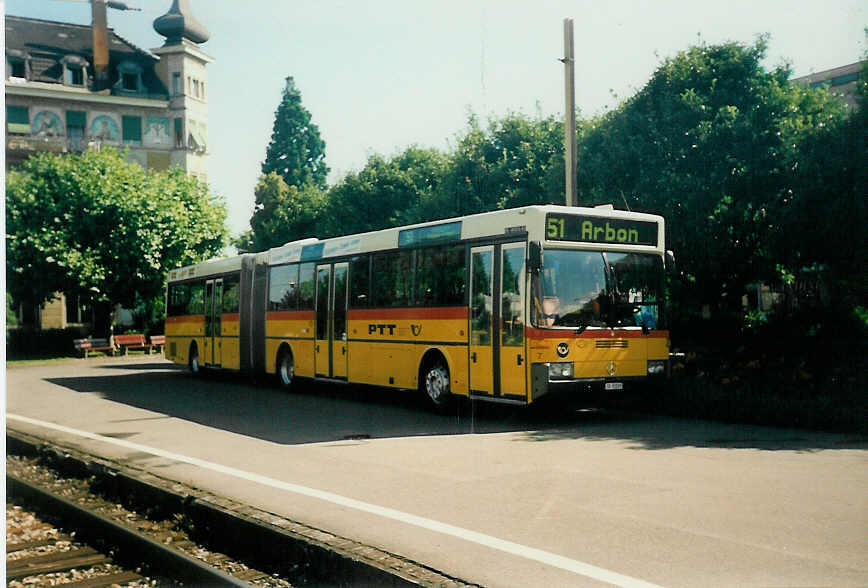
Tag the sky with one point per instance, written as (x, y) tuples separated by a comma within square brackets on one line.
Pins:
[(378, 76)]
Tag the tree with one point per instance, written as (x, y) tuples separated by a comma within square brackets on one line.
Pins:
[(712, 142), (296, 152), (99, 226), (516, 161), (282, 213), (386, 192)]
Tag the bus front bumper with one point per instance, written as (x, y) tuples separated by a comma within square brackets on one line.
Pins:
[(544, 382)]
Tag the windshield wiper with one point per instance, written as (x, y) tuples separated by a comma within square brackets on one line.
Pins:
[(580, 324)]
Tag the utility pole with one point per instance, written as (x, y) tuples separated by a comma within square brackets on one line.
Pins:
[(570, 159)]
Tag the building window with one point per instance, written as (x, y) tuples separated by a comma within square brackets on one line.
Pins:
[(176, 84), (132, 129), (179, 133), (17, 120), (17, 64), (74, 70), (129, 78), (74, 76), (131, 82), (202, 88), (17, 69), (76, 123)]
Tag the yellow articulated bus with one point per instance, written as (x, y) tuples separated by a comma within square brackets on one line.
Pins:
[(506, 306)]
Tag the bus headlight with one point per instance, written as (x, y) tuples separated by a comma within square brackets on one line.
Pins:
[(561, 370), (656, 367)]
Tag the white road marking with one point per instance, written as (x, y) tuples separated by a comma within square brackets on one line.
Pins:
[(516, 549)]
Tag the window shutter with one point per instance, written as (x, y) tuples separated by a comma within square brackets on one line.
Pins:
[(76, 119), (132, 128), (18, 119)]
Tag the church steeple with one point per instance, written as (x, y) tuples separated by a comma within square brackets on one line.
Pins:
[(179, 24)]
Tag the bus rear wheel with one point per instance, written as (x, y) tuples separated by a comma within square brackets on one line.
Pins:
[(193, 363), (435, 384), (285, 369)]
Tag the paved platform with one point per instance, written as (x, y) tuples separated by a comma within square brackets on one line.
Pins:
[(496, 497)]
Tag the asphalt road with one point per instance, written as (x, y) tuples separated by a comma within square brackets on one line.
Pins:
[(492, 495)]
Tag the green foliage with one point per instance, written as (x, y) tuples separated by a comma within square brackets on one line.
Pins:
[(97, 225), (386, 192), (516, 161), (296, 152), (717, 145), (11, 317), (282, 213)]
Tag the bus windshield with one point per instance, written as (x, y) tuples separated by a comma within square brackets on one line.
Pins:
[(580, 289)]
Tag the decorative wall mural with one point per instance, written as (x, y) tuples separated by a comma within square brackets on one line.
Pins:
[(157, 131), (47, 124), (104, 128)]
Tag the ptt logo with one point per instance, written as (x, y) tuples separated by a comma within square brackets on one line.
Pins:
[(372, 329)]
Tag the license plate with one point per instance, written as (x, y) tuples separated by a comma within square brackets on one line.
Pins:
[(614, 385)]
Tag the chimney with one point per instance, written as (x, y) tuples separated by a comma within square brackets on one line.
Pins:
[(100, 45)]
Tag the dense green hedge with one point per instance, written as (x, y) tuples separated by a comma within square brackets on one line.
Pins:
[(27, 342)]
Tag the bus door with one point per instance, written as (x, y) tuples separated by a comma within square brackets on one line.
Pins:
[(339, 320), (512, 341), (322, 346), (482, 323), (213, 309), (330, 357)]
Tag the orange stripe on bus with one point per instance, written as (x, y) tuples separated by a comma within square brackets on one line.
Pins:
[(230, 317), (533, 333), (443, 312)]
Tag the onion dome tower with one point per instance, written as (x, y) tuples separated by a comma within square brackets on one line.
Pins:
[(182, 68), (179, 23)]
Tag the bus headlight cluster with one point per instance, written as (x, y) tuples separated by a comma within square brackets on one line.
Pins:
[(656, 367), (561, 370)]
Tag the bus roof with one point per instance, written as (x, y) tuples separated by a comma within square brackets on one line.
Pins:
[(528, 220)]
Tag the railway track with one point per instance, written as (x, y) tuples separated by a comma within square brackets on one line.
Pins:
[(37, 553), (246, 545), (81, 540)]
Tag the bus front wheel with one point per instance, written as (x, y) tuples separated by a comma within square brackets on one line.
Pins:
[(435, 383)]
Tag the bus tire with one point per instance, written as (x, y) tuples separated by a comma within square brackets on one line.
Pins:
[(434, 383), (193, 361), (285, 368)]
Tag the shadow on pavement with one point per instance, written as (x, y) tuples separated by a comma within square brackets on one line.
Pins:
[(317, 412)]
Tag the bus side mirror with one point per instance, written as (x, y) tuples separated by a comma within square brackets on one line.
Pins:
[(670, 263), (534, 256)]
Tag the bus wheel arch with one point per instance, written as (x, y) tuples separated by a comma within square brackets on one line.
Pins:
[(193, 359), (434, 380), (284, 366)]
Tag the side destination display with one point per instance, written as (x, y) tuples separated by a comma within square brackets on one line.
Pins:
[(593, 229)]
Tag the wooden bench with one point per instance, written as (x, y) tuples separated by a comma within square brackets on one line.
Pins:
[(158, 342), (131, 341), (85, 346)]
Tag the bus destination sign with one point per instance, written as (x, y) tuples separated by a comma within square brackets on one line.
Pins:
[(593, 229)]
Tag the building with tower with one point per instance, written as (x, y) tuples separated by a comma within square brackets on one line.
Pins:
[(73, 87)]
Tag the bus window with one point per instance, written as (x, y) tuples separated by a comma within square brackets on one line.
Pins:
[(392, 277), (306, 286), (179, 296), (283, 287), (512, 327), (196, 302), (440, 276), (359, 296), (231, 293)]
